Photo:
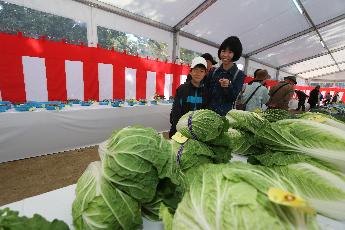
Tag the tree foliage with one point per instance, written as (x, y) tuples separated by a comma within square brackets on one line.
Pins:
[(34, 23)]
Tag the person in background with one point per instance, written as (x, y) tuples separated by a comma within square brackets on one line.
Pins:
[(210, 63), (225, 83), (328, 98), (255, 94), (191, 95), (314, 97), (335, 98), (301, 99), (281, 94), (320, 99)]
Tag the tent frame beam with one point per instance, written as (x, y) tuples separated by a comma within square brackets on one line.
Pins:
[(195, 13)]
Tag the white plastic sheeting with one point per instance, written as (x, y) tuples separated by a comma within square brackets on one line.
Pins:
[(310, 64), (256, 23), (294, 50), (169, 12)]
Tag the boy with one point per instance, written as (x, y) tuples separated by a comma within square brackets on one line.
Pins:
[(191, 95), (225, 83)]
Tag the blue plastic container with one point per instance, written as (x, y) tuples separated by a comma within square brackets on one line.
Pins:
[(6, 104), (22, 108), (103, 103), (3, 109), (115, 104), (51, 107), (85, 103), (153, 102), (141, 103)]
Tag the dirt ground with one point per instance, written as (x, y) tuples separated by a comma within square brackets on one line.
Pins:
[(33, 176)]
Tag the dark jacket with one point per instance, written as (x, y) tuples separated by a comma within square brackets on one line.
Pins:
[(313, 97), (187, 98), (221, 99), (280, 95), (301, 95)]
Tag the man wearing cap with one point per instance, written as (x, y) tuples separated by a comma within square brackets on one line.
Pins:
[(281, 94), (191, 95), (256, 94)]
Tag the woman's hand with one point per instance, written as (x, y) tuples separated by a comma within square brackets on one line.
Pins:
[(224, 82)]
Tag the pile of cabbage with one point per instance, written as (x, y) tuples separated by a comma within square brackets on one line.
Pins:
[(190, 183)]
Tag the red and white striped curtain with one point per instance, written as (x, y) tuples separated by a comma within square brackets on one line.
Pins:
[(41, 70)]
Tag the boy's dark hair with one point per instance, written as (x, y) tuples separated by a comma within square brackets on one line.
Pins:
[(200, 66), (234, 44)]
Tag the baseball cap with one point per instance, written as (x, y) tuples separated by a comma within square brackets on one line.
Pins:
[(198, 61)]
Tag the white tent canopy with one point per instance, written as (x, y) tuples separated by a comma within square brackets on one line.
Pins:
[(301, 37)]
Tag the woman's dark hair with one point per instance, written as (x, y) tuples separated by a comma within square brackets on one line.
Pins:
[(234, 44), (256, 71)]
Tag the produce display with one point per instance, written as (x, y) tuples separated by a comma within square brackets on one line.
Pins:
[(295, 170)]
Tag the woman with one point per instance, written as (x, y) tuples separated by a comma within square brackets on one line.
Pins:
[(225, 83), (255, 94)]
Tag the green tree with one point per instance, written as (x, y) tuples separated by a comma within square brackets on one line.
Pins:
[(186, 55), (34, 23)]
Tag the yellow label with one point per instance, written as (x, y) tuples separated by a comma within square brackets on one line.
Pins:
[(32, 109), (179, 138), (279, 196)]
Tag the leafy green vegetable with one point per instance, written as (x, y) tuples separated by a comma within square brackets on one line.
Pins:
[(273, 115), (133, 161), (246, 121), (243, 143), (322, 187), (206, 125), (194, 154), (217, 199), (10, 220), (166, 217), (324, 119), (100, 205), (278, 158), (307, 137)]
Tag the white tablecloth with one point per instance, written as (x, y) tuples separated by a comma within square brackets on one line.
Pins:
[(57, 204), (29, 134)]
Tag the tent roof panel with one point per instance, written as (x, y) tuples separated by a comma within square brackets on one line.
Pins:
[(323, 10), (339, 76), (319, 72), (339, 56), (342, 67), (252, 21), (169, 12), (310, 64), (296, 49), (334, 34)]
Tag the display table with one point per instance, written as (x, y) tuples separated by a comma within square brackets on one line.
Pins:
[(57, 204), (30, 134)]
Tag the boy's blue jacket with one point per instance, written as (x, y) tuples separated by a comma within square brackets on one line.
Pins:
[(187, 98)]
